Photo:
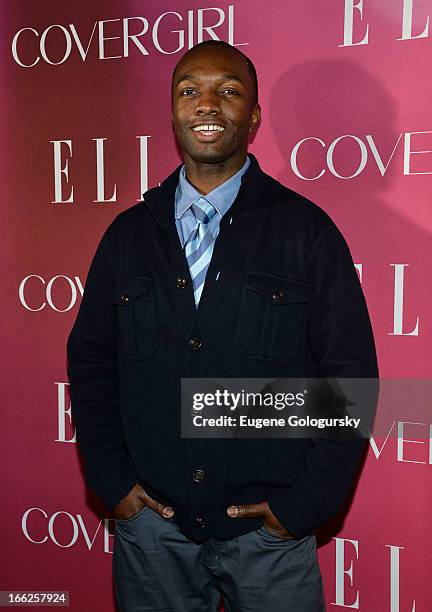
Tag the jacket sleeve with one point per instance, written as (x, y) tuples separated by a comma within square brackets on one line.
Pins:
[(92, 369), (341, 340)]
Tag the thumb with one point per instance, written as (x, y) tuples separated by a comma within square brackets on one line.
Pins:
[(246, 510), (164, 511)]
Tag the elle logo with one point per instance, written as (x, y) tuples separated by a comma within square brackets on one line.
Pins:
[(344, 576), (354, 11), (62, 153)]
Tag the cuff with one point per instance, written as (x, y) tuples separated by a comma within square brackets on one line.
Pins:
[(114, 484)]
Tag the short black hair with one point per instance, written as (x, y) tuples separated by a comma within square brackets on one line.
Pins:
[(225, 45)]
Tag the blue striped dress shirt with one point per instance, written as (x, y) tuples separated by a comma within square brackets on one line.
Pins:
[(221, 198)]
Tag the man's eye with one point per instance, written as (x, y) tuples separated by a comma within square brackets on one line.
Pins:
[(231, 92), (187, 92)]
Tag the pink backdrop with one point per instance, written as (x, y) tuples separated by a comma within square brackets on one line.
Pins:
[(346, 121)]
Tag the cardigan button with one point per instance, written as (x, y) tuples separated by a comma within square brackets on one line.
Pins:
[(181, 282), (277, 295), (199, 522), (198, 475), (195, 343), (125, 298)]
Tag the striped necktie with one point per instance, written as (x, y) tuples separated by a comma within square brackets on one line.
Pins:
[(199, 246)]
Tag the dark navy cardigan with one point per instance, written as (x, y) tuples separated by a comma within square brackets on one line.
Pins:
[(131, 344)]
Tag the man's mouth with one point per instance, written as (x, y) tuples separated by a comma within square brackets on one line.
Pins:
[(208, 132), (212, 127)]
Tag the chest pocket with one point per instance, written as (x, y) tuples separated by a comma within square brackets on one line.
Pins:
[(134, 300), (272, 317)]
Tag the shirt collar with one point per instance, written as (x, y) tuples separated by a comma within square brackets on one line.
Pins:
[(221, 197)]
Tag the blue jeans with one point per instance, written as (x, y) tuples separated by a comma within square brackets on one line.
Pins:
[(156, 567)]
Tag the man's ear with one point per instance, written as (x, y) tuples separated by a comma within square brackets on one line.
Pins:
[(256, 116)]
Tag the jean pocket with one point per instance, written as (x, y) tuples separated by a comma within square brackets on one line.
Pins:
[(274, 535), (134, 300), (272, 317)]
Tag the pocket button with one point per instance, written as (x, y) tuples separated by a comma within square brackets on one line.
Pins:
[(277, 295), (125, 298)]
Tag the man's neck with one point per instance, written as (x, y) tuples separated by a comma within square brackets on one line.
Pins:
[(206, 177)]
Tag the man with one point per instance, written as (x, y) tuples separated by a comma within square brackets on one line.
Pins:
[(197, 518)]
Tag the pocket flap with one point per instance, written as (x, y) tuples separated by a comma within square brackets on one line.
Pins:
[(128, 290), (277, 289)]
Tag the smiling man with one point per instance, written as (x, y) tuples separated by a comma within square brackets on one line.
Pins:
[(221, 272), (215, 109)]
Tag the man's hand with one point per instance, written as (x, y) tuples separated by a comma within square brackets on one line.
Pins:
[(271, 523), (135, 500)]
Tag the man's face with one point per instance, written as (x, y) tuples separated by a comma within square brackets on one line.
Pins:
[(214, 110)]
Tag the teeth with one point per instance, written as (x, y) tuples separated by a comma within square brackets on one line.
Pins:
[(208, 128)]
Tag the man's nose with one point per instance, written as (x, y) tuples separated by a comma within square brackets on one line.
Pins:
[(208, 103)]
